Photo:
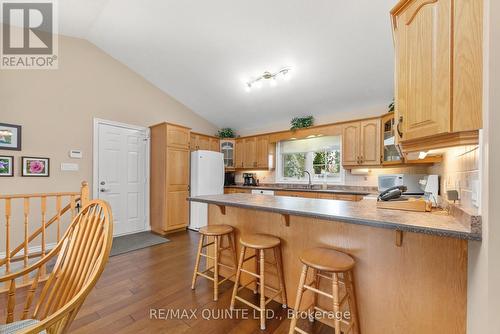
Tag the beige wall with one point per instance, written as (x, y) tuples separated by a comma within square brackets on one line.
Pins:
[(56, 109)]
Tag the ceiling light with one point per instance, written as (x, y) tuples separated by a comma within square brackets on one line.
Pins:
[(257, 82)]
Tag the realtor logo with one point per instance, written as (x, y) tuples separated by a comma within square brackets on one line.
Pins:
[(28, 35)]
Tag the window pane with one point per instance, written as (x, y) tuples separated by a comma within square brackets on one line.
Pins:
[(294, 164)]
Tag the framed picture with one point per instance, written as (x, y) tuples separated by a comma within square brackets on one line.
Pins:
[(6, 165), (32, 166), (10, 137)]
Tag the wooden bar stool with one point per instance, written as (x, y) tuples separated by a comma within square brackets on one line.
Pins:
[(218, 233), (259, 243), (336, 267)]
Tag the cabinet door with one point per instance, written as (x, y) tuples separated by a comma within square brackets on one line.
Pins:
[(350, 144), (239, 153), (193, 142), (263, 152), (214, 145), (178, 210), (250, 155), (177, 169), (370, 142), (178, 136), (423, 69), (203, 143)]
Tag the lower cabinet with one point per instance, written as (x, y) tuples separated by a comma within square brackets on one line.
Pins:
[(237, 191), (320, 195), (177, 210)]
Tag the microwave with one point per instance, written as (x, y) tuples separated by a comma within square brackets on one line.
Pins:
[(411, 181)]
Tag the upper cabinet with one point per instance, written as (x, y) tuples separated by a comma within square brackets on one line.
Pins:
[(438, 68), (254, 153), (227, 149), (361, 143), (200, 141), (250, 152)]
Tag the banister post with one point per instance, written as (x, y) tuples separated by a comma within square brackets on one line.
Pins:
[(84, 194)]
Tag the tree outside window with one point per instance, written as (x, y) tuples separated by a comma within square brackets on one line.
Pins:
[(319, 156), (294, 164)]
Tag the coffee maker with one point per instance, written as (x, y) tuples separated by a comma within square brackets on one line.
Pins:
[(249, 179)]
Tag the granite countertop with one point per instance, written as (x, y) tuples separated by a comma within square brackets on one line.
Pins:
[(301, 189), (363, 212)]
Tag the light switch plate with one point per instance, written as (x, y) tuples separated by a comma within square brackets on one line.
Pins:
[(75, 154), (69, 167)]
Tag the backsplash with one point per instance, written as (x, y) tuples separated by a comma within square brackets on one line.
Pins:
[(366, 180), (460, 171)]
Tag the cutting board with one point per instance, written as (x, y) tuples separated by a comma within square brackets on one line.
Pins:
[(412, 204)]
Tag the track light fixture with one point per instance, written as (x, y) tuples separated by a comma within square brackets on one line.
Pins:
[(272, 77)]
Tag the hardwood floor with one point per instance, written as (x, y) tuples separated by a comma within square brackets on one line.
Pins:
[(159, 277)]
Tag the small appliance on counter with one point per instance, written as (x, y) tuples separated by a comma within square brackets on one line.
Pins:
[(249, 180), (399, 196), (229, 179), (410, 181)]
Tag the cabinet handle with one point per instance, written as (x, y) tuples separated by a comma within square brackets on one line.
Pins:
[(398, 127)]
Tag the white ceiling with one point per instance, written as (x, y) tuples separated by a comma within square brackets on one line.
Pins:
[(201, 52)]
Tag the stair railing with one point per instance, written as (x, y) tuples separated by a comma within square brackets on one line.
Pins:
[(66, 203)]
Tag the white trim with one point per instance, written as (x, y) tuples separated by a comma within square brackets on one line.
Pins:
[(95, 163), (305, 180)]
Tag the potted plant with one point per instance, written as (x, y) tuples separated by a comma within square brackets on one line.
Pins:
[(226, 133), (302, 122)]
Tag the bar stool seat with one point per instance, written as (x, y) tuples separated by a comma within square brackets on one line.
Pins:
[(336, 267), (211, 230), (326, 259), (259, 241), (217, 233)]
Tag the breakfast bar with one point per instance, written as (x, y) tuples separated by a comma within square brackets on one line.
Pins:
[(411, 267)]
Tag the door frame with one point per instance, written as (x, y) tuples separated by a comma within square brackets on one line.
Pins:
[(95, 162)]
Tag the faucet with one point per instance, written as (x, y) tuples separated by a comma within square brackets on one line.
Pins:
[(310, 183)]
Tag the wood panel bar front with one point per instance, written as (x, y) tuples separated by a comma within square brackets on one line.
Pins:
[(417, 287)]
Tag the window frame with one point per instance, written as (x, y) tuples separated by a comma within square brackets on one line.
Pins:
[(309, 167)]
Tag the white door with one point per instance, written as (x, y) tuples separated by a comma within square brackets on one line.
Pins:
[(122, 176)]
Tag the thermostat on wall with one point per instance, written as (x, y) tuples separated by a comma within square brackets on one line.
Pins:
[(75, 154)]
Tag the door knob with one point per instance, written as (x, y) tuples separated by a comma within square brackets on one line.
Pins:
[(102, 183), (103, 190)]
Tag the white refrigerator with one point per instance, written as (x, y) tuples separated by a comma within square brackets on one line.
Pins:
[(207, 178)]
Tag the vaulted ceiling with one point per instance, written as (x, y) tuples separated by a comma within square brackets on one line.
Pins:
[(201, 52)]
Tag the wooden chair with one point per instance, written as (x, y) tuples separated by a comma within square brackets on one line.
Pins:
[(81, 255)]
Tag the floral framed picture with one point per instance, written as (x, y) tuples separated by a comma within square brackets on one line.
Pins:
[(10, 137), (6, 165), (33, 166)]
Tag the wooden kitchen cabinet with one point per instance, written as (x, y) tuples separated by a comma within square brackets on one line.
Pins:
[(438, 68), (320, 195), (361, 143), (239, 152), (214, 144), (170, 147), (200, 141), (369, 142), (262, 152), (350, 144), (250, 152)]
